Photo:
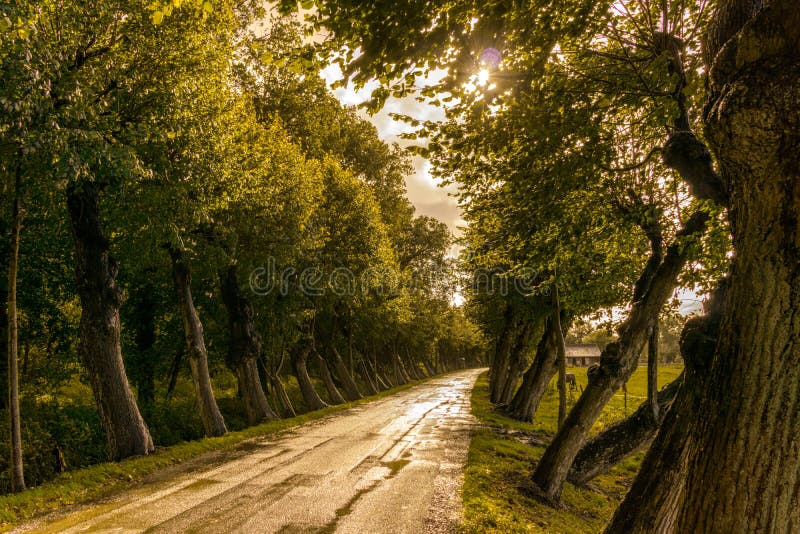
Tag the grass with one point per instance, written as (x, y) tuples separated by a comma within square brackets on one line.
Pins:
[(499, 464), (102, 480)]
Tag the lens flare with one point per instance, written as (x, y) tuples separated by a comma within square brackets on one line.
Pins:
[(490, 58)]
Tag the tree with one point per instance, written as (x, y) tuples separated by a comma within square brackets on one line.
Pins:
[(749, 78)]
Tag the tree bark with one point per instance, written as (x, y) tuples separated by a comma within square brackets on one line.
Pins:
[(652, 372), (351, 391), (519, 361), (99, 343), (399, 373), (244, 348), (174, 371), (428, 367), (334, 396), (561, 359), (248, 380), (744, 474), (498, 373), (622, 439), (411, 367), (283, 398), (311, 398), (17, 472), (653, 501), (372, 387), (617, 363), (534, 382), (373, 371), (213, 422)]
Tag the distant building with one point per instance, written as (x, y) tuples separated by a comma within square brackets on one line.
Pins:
[(582, 354)]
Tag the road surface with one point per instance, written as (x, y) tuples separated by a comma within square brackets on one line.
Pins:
[(394, 465)]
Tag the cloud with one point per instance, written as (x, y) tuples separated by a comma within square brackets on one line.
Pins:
[(424, 191)]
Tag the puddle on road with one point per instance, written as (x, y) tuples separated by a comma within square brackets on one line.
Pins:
[(395, 466), (200, 484)]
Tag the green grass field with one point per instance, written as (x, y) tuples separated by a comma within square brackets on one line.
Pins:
[(499, 464)]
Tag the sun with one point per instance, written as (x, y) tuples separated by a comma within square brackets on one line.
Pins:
[(483, 77)]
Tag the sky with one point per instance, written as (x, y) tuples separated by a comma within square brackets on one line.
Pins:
[(423, 190)]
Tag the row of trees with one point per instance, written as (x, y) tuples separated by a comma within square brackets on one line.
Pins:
[(180, 187), (609, 153)]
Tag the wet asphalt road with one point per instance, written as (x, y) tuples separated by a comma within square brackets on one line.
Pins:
[(394, 465)]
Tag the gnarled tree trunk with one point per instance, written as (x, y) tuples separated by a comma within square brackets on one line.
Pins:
[(244, 348), (283, 398), (534, 383), (99, 344), (519, 360), (213, 422), (744, 474), (561, 359), (498, 373), (653, 501), (372, 387), (739, 471), (623, 438), (617, 363), (429, 368), (348, 384), (325, 373), (311, 398), (399, 373)]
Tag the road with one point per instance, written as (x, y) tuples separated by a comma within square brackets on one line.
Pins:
[(393, 465)]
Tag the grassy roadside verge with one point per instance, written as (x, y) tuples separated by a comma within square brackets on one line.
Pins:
[(84, 485), (501, 459)]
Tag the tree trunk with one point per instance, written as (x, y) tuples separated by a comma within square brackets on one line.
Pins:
[(348, 384), (244, 348), (400, 377), (248, 380), (387, 377), (99, 343), (311, 398), (537, 377), (17, 474), (622, 439), (498, 373), (372, 387), (380, 381), (561, 359), (617, 363), (283, 398), (744, 474), (429, 368), (174, 371), (334, 395), (519, 361), (411, 367), (652, 372), (213, 422), (652, 503)]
